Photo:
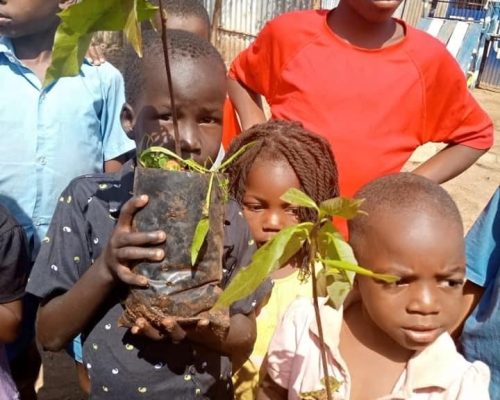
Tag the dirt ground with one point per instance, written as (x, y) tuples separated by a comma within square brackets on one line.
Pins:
[(471, 191)]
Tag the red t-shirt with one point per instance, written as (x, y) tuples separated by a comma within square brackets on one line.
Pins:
[(374, 106)]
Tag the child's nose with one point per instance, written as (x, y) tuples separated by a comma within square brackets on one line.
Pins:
[(273, 222), (190, 139), (423, 299)]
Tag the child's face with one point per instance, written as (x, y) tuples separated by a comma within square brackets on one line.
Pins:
[(427, 253), (25, 17), (263, 209), (374, 10), (200, 90)]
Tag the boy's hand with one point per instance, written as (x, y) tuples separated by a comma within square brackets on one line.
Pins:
[(201, 330), (126, 247), (95, 54)]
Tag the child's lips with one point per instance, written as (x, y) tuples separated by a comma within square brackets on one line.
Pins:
[(422, 334)]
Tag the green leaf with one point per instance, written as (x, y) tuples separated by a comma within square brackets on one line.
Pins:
[(242, 149), (347, 266), (81, 20), (298, 198), (265, 260), (341, 207), (147, 157), (199, 238)]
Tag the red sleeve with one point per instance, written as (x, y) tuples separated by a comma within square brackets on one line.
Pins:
[(452, 113), (258, 67), (230, 124)]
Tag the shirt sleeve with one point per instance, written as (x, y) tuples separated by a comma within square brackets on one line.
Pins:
[(65, 251), (258, 67), (115, 141), (285, 342), (452, 115), (475, 383), (481, 244), (14, 260)]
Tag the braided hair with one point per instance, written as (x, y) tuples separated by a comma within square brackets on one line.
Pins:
[(309, 155)]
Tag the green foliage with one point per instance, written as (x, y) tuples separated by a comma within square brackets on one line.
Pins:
[(80, 21), (333, 384), (325, 245), (199, 238), (299, 198), (159, 157), (341, 207), (267, 259)]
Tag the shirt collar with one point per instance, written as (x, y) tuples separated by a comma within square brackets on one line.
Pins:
[(7, 48), (441, 355)]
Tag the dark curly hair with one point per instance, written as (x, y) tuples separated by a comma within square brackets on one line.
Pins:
[(309, 155)]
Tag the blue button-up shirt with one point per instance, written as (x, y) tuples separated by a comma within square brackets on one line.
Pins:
[(51, 135)]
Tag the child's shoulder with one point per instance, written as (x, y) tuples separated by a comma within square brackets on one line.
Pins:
[(425, 49), (302, 23), (81, 189)]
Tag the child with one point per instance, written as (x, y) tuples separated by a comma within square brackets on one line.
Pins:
[(14, 264), (83, 272), (53, 133), (393, 342), (375, 87), (280, 159), (480, 336)]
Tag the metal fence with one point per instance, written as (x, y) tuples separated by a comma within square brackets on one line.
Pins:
[(237, 22)]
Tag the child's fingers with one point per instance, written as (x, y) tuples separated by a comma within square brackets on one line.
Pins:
[(128, 277), (144, 328), (175, 331), (130, 253), (129, 209), (125, 239)]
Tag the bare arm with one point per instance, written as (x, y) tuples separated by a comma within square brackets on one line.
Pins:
[(63, 317), (270, 390), (10, 320), (115, 164), (248, 104), (449, 163)]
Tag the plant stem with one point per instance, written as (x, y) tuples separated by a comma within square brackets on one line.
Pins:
[(169, 80), (312, 254)]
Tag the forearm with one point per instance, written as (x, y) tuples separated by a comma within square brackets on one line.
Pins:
[(65, 316), (238, 344), (10, 321), (449, 163), (248, 104)]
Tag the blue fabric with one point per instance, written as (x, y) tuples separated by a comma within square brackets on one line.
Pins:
[(51, 135), (481, 334)]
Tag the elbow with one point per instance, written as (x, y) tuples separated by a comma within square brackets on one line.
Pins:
[(50, 342)]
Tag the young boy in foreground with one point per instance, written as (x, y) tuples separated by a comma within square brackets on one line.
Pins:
[(83, 271), (393, 342)]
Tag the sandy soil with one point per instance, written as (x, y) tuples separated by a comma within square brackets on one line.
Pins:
[(471, 191)]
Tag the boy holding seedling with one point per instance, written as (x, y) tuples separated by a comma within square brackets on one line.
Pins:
[(375, 87), (393, 342), (83, 271), (51, 133)]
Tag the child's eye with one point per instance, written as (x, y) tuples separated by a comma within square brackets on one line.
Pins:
[(166, 116), (209, 120), (293, 210), (253, 207), (453, 283)]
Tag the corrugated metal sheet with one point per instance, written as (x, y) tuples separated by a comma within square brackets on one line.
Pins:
[(490, 75), (241, 20)]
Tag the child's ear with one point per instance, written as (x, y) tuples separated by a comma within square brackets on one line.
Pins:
[(127, 119), (64, 4)]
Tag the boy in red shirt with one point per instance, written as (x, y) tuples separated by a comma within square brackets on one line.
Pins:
[(375, 87)]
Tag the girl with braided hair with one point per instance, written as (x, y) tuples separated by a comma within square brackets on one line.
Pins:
[(284, 156)]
